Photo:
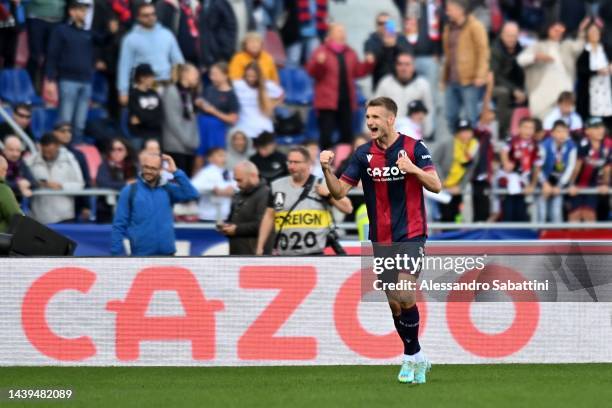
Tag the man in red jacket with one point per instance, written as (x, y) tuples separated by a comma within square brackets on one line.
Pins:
[(334, 67)]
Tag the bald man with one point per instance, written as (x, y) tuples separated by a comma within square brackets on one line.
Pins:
[(8, 202), (247, 210), (19, 177)]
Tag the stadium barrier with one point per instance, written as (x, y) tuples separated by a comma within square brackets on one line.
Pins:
[(232, 311)]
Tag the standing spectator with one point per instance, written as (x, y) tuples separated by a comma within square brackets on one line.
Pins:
[(144, 106), (239, 149), (215, 185), (180, 17), (404, 86), (18, 177), (218, 32), (148, 42), (334, 67), (509, 88), (592, 171), (414, 124), (550, 68), (565, 111), (180, 125), (247, 209), (605, 13), (144, 211), (117, 169), (107, 58), (12, 19), (257, 98), (466, 62), (594, 89), (385, 44), (271, 163), (305, 25), (8, 203), (55, 168), (559, 159), (42, 17), (252, 51), (22, 115)]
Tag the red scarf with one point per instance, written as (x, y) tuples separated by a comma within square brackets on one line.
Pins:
[(320, 15)]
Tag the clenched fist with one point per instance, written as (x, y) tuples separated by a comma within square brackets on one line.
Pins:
[(406, 165), (326, 157)]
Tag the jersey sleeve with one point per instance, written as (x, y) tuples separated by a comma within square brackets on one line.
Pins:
[(352, 174), (422, 157)]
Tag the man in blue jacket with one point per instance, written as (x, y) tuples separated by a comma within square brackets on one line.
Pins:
[(144, 211)]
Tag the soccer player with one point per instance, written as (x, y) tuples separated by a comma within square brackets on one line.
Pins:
[(393, 169)]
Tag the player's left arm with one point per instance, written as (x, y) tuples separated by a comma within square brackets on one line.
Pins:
[(423, 168)]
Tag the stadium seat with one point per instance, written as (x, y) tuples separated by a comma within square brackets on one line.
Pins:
[(93, 158), (99, 89), (312, 125), (43, 120), (274, 45), (517, 115), (16, 87), (341, 152), (298, 86)]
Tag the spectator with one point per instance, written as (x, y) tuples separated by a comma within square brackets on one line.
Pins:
[(592, 171), (509, 88), (414, 124), (180, 125), (218, 32), (144, 211), (18, 177), (144, 106), (559, 159), (42, 17), (252, 51), (521, 161), (565, 111), (482, 175), (313, 149), (22, 115), (550, 66), (257, 98), (271, 163), (466, 62), (137, 49), (8, 203), (594, 89), (179, 16), (404, 87), (70, 67), (117, 169), (605, 13), (385, 44), (305, 25), (55, 168), (152, 146), (457, 162), (12, 19), (220, 106), (124, 10), (334, 67), (540, 132), (239, 149), (107, 58), (247, 209), (215, 186)]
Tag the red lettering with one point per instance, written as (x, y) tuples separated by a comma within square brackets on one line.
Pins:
[(197, 325), (259, 342)]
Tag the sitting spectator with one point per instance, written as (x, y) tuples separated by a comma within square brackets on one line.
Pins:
[(457, 163), (179, 16), (509, 88), (239, 149), (144, 107), (144, 211), (8, 203), (559, 159), (22, 115), (592, 171), (405, 86), (220, 107), (148, 42), (305, 24), (313, 149), (550, 68), (540, 132), (334, 67), (55, 168), (414, 124), (117, 169), (594, 89), (385, 44), (252, 51), (180, 125), (565, 111), (521, 161), (18, 177), (247, 209), (257, 98), (218, 32), (271, 163), (215, 185)]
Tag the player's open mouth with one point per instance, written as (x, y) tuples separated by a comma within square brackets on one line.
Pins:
[(373, 130)]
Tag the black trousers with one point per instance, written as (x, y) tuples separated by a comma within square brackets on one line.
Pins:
[(183, 162), (331, 120), (8, 46), (448, 212), (481, 201)]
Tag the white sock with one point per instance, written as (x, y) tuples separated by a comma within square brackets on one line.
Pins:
[(420, 357), (408, 358)]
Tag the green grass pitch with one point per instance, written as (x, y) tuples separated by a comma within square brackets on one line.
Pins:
[(497, 386)]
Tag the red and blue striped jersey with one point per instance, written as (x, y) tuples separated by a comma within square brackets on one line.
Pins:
[(394, 199), (594, 161)]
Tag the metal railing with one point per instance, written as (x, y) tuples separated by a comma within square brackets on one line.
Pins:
[(18, 131)]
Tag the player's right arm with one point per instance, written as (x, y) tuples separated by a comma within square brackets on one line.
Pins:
[(337, 188), (265, 229)]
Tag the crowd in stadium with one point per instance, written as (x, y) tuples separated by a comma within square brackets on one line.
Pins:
[(514, 95)]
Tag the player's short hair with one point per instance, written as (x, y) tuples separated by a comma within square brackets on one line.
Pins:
[(301, 150), (387, 103)]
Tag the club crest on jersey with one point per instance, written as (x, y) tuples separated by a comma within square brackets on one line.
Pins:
[(402, 153), (279, 200)]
